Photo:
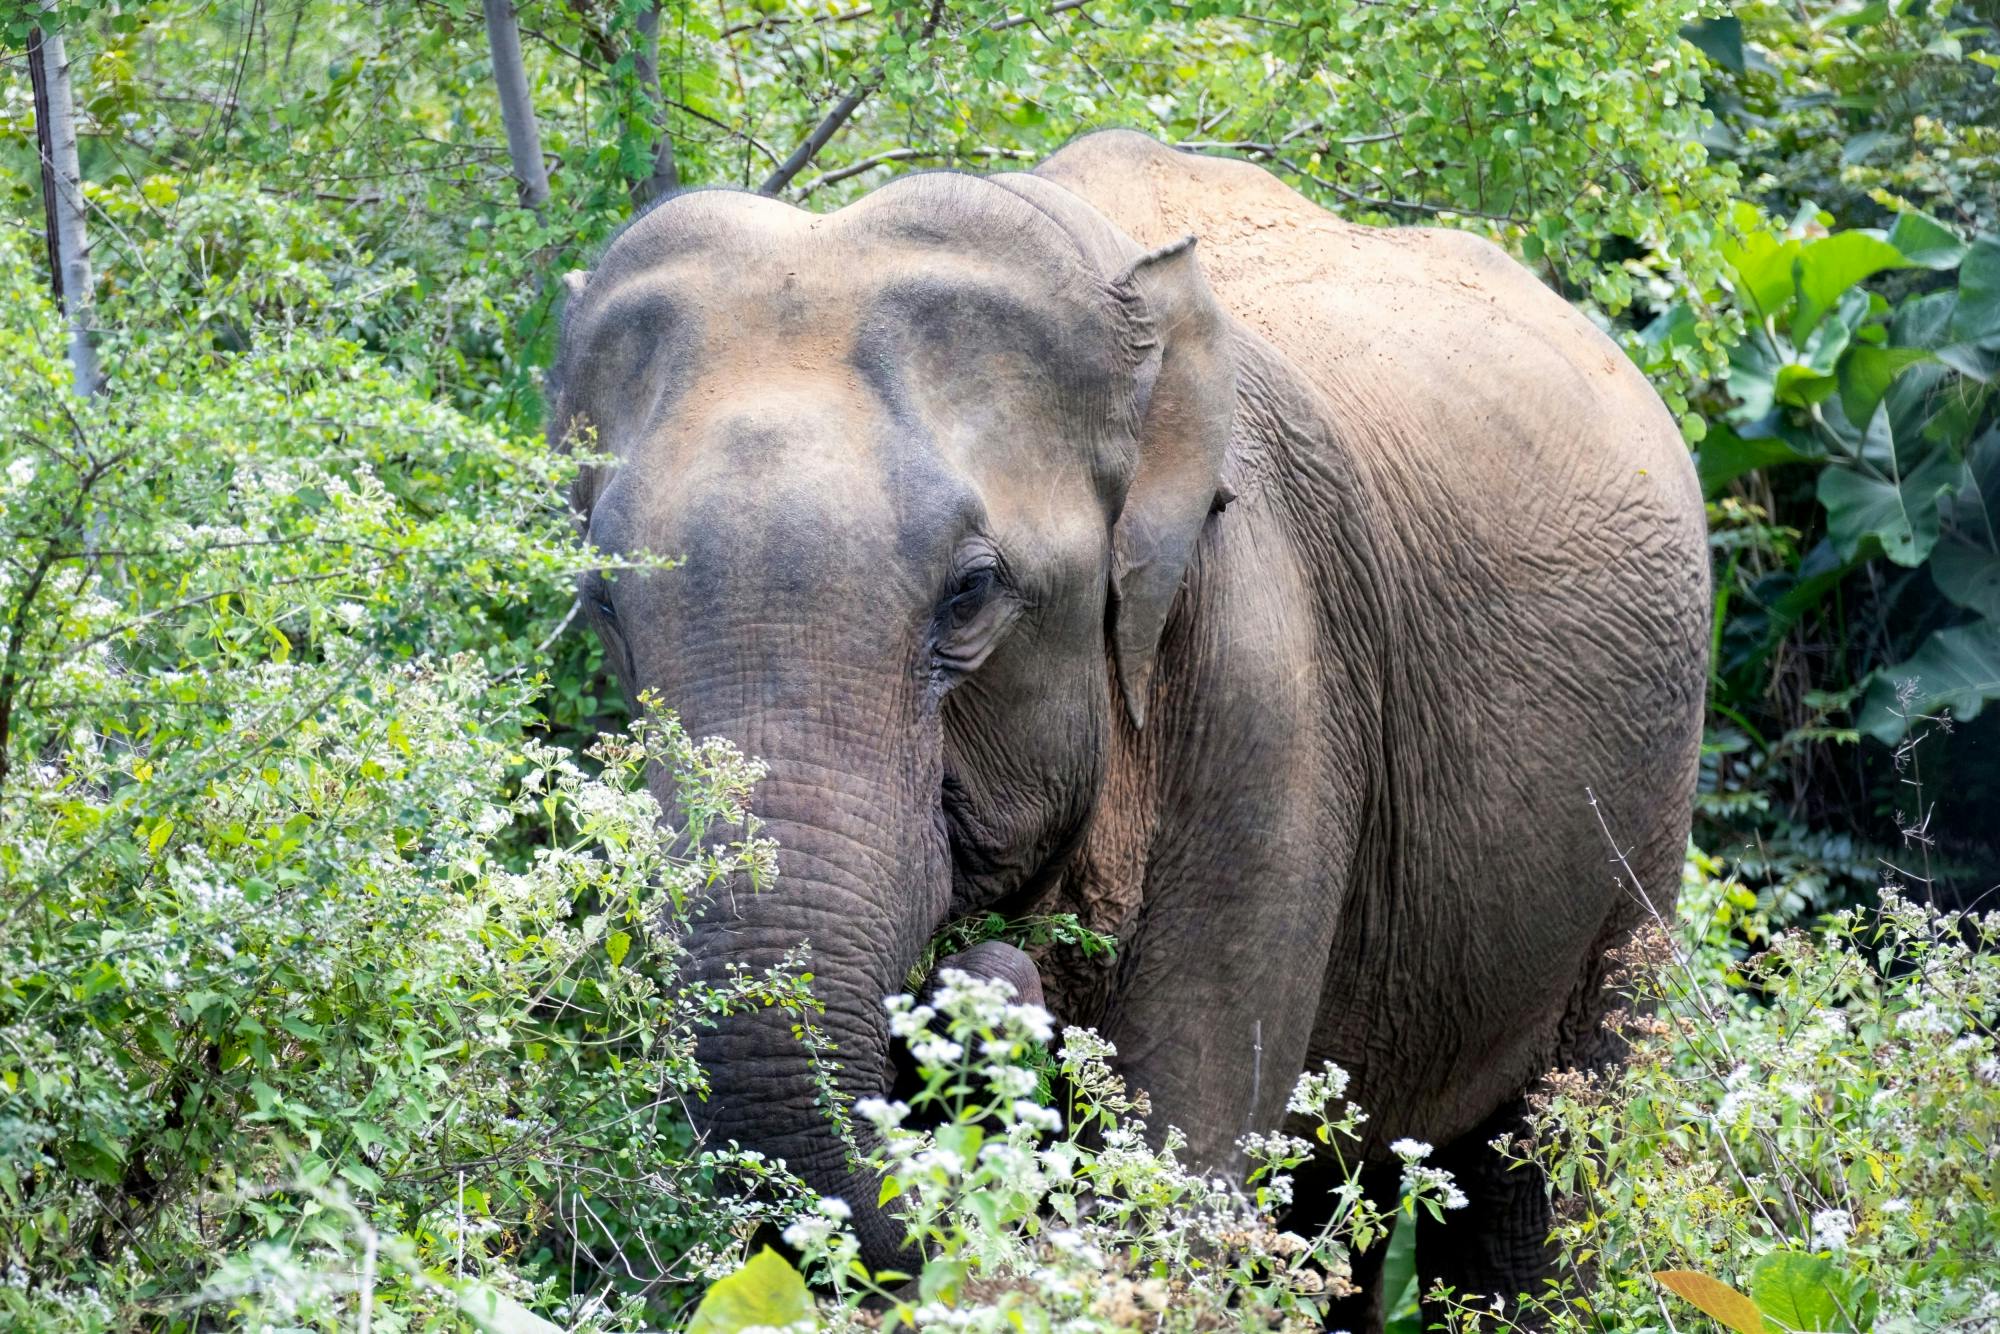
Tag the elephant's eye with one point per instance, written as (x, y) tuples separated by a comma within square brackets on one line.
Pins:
[(597, 592), (972, 620), (975, 587)]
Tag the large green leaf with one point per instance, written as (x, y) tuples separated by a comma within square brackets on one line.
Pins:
[(1898, 514), (1974, 512), (1725, 456), (1761, 263), (1828, 267), (1956, 669), (1977, 319), (765, 1291), (1753, 374), (496, 1313), (1969, 576), (1721, 40), (1714, 1299), (1925, 241), (1869, 371), (1795, 1291)]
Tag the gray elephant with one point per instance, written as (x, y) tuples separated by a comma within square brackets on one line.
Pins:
[(1134, 538)]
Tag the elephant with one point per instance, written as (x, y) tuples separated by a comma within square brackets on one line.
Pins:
[(1320, 609)]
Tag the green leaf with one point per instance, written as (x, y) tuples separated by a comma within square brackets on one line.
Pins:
[(1926, 242), (1725, 456), (496, 1313), (1721, 40), (765, 1291), (1761, 263), (1860, 147), (1828, 267), (617, 945), (1868, 372), (1713, 1298), (1898, 514), (1972, 361), (1794, 1290), (1977, 317), (941, 1278), (1956, 669), (1969, 576)]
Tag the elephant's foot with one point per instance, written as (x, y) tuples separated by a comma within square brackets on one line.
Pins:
[(1497, 1246)]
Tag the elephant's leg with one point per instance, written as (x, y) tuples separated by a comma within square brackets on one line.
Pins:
[(1497, 1246), (1313, 1201)]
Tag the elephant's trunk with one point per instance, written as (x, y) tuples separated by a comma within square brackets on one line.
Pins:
[(863, 881)]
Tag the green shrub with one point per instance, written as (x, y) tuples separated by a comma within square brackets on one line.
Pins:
[(313, 960), (1812, 1126)]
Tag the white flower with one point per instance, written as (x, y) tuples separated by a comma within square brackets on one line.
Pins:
[(1831, 1228), (1012, 1081), (881, 1114), (1314, 1091), (1925, 1021), (934, 1052), (835, 1208), (906, 1021), (808, 1232), (1410, 1150), (1036, 1115), (21, 472), (1032, 1020), (1423, 1182)]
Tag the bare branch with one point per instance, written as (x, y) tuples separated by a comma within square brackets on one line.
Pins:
[(1017, 20), (867, 164), (1393, 205), (768, 21), (829, 125)]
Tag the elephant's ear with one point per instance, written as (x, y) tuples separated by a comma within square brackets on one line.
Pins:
[(1186, 399)]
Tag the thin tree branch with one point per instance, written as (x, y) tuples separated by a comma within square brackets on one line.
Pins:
[(1017, 20), (769, 21), (829, 126), (867, 164), (1394, 205)]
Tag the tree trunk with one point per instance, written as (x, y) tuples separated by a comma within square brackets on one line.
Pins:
[(62, 198), (510, 77), (665, 176)]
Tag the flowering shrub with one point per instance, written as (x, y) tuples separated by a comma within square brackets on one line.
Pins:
[(327, 992), (1026, 1218), (1804, 1137)]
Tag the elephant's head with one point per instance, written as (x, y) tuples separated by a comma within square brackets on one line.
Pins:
[(935, 466)]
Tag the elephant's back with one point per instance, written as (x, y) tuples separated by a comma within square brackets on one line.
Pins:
[(1429, 333)]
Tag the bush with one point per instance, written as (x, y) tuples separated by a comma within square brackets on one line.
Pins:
[(314, 963), (1813, 1125)]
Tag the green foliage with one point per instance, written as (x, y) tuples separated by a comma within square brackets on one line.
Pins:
[(1026, 933), (307, 941), (765, 1293), (1889, 405), (1853, 545), (1872, 109), (1811, 1126)]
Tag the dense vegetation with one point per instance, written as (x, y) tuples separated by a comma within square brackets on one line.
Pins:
[(337, 976)]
